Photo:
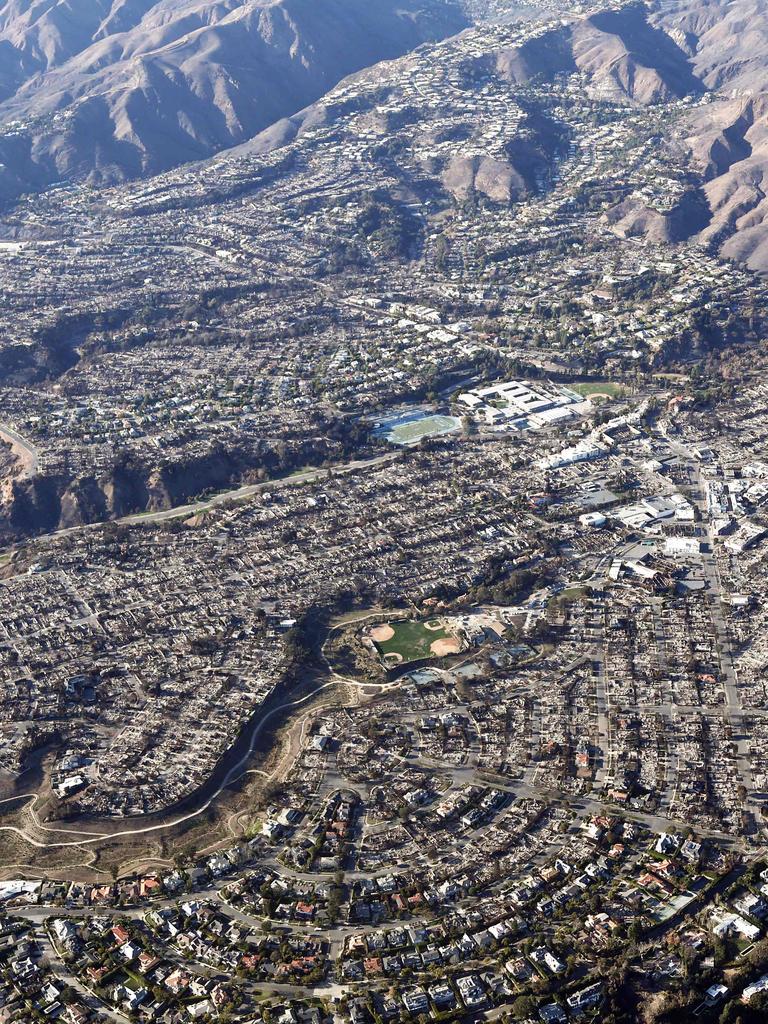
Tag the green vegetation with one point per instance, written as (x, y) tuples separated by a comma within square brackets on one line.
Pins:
[(389, 226), (574, 593), (680, 378), (411, 641), (598, 387)]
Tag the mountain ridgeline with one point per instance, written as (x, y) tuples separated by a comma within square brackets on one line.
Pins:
[(107, 90)]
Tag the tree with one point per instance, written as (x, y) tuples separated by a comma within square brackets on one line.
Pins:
[(524, 1007), (441, 252)]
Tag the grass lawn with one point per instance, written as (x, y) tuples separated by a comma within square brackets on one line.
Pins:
[(680, 377), (598, 387), (411, 640), (426, 426)]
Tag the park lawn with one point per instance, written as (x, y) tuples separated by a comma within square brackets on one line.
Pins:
[(412, 641), (598, 387), (678, 377)]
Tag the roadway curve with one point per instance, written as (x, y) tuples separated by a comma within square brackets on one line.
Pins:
[(235, 773), (240, 769), (235, 495), (248, 491), (27, 454)]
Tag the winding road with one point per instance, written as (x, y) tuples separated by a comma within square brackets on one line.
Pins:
[(237, 494), (235, 773), (23, 449)]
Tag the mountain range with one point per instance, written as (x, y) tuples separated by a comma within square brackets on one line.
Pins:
[(109, 90), (105, 90)]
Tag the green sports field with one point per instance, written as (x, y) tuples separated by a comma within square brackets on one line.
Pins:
[(411, 641), (598, 387), (414, 430)]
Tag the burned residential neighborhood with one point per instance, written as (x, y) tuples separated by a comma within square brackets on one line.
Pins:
[(383, 511)]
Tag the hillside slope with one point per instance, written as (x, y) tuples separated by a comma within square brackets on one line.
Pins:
[(105, 90), (727, 44), (622, 55), (726, 41)]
